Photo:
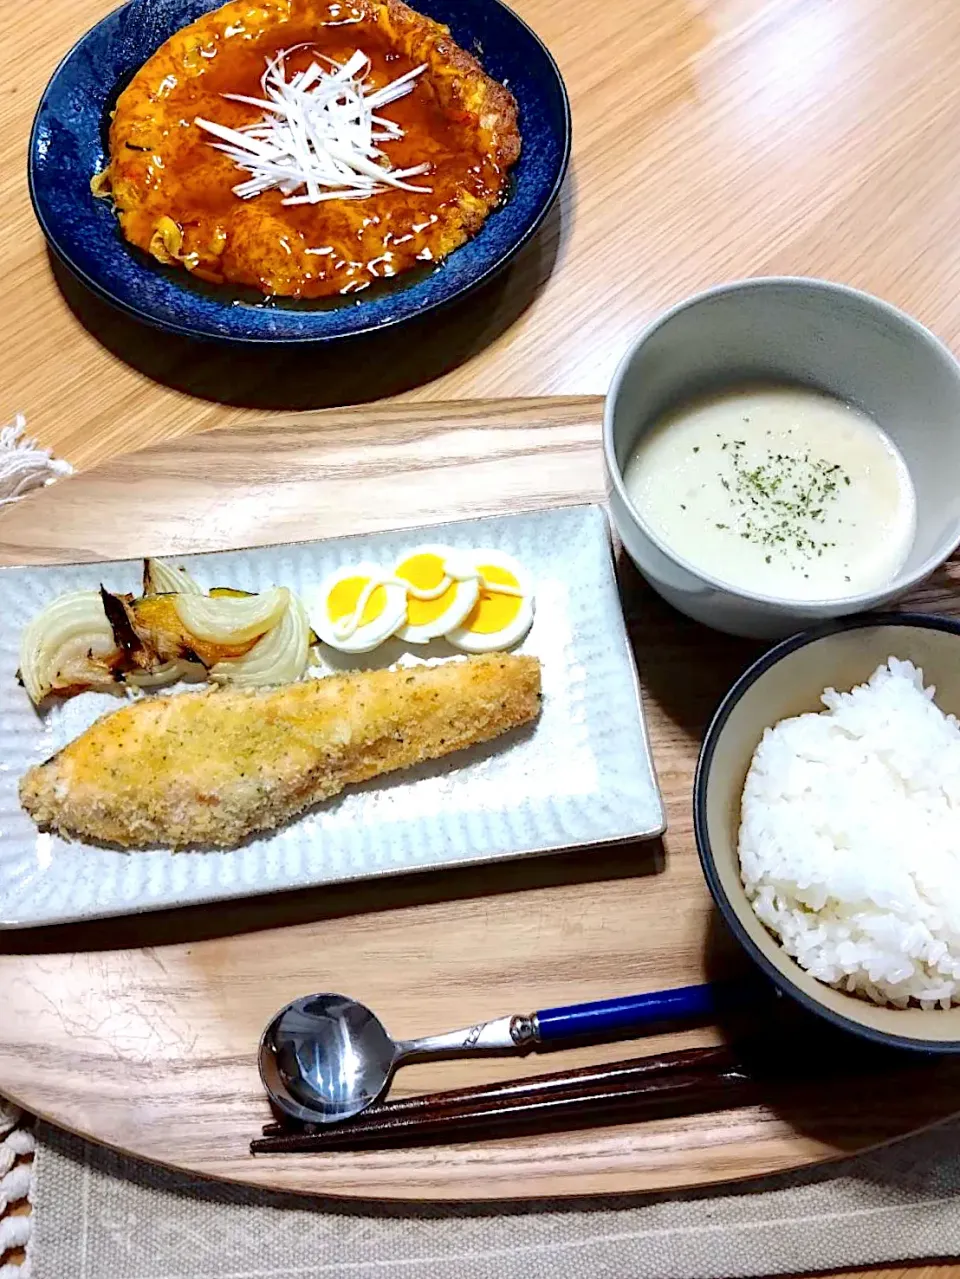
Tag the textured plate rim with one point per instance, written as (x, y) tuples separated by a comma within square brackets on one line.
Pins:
[(366, 328), (366, 877)]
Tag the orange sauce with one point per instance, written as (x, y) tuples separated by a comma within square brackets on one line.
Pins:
[(310, 251)]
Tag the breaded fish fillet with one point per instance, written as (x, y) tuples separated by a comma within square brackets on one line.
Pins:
[(216, 766)]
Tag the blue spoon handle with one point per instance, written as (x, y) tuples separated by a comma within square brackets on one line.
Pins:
[(634, 1012)]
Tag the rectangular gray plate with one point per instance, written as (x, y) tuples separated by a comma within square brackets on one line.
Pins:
[(582, 775)]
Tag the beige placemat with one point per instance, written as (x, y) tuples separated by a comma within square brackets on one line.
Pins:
[(98, 1215)]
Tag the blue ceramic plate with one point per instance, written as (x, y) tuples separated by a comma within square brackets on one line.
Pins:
[(67, 147)]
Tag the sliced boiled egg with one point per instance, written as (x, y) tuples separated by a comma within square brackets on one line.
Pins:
[(360, 607), (442, 587), (503, 612)]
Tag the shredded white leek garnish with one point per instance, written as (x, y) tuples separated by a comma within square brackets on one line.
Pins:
[(319, 131)]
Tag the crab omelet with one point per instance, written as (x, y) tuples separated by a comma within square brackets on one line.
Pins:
[(173, 191)]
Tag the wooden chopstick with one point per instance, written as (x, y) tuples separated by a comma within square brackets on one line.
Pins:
[(554, 1083), (691, 1079)]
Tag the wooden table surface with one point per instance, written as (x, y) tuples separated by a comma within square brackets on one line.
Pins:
[(712, 139)]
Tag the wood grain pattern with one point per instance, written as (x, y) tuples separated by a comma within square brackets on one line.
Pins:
[(141, 1032), (711, 140), (301, 477)]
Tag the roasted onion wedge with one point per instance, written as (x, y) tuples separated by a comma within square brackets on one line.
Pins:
[(152, 632), (96, 640), (161, 578), (231, 620), (68, 647), (168, 673), (279, 657)]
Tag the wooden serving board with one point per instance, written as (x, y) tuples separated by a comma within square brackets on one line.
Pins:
[(142, 1032)]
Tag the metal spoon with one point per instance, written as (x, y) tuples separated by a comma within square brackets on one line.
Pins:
[(325, 1058)]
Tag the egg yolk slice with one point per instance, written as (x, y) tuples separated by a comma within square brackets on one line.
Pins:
[(501, 617), (443, 588), (495, 612), (360, 608), (345, 596)]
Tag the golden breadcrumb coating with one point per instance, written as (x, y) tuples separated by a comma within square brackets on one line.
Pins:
[(211, 768)]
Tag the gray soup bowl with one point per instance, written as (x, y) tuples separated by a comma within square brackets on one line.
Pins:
[(808, 332)]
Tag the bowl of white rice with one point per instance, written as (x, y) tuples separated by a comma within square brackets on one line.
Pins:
[(827, 818)]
